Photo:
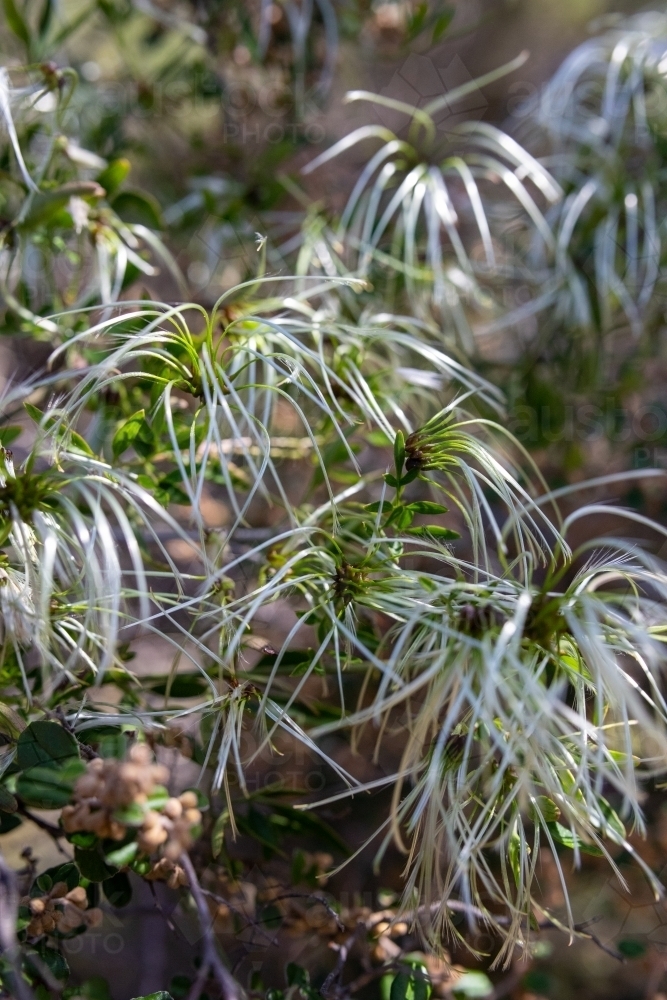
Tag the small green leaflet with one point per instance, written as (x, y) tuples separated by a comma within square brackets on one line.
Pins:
[(127, 432)]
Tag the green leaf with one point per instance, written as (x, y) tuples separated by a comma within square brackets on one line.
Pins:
[(401, 518), (95, 988), (118, 889), (300, 821), (296, 975), (417, 21), (54, 960), (442, 23), (399, 452), (631, 948), (48, 787), (563, 835), (45, 743), (83, 838), (427, 507), (33, 412), (190, 685), (614, 825), (49, 206), (473, 984), (92, 864), (127, 433), (78, 443), (16, 23), (218, 833), (46, 17), (9, 434), (130, 815), (433, 531), (545, 809), (137, 207), (8, 822), (158, 798), (411, 985), (114, 175), (8, 803), (383, 505), (67, 873), (160, 995), (122, 856), (390, 480)]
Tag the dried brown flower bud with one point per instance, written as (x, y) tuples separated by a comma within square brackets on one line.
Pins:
[(173, 808), (78, 897), (189, 800)]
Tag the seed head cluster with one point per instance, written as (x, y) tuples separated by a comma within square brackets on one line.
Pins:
[(60, 910), (109, 788)]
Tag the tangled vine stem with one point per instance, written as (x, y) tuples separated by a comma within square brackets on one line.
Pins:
[(211, 961)]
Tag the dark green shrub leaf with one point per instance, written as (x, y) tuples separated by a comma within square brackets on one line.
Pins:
[(8, 822), (95, 988), (45, 743), (182, 685), (67, 873), (48, 787), (92, 864), (8, 803), (83, 838), (631, 948), (54, 960), (118, 889), (413, 985)]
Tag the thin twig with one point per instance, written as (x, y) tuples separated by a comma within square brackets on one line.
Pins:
[(53, 831), (318, 899), (239, 913), (211, 959), (331, 984)]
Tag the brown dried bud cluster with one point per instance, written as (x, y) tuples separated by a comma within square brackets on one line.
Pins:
[(109, 785), (166, 870), (170, 829), (60, 910)]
